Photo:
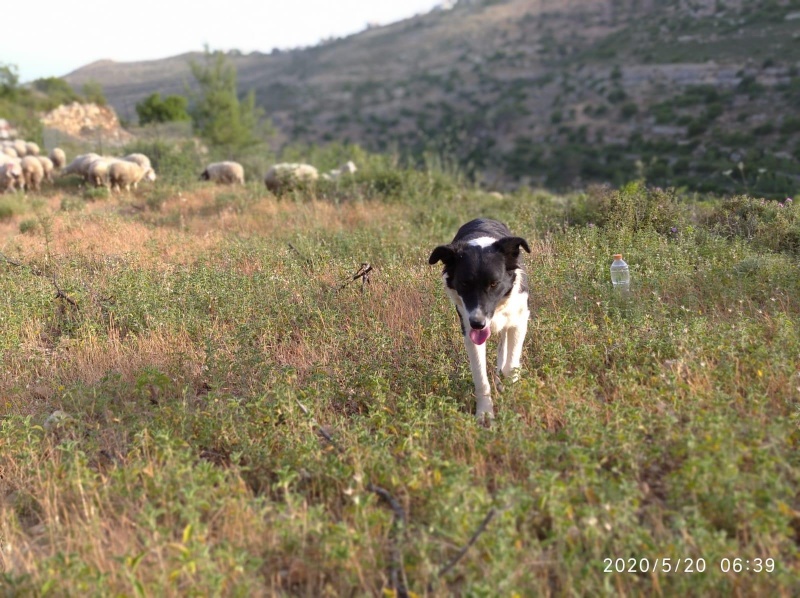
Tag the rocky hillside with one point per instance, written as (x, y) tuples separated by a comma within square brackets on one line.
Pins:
[(702, 93)]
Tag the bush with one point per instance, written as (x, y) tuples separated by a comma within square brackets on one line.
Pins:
[(636, 208), (767, 224), (11, 205), (172, 162), (155, 110), (628, 110)]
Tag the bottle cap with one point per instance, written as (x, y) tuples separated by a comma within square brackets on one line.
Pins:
[(617, 256)]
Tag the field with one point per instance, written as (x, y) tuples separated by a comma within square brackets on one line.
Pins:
[(197, 398)]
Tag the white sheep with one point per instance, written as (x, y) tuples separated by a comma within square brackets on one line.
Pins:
[(8, 150), (31, 148), (47, 166), (287, 174), (126, 174), (11, 177), (97, 171), (33, 172), (348, 167), (20, 147), (139, 159), (58, 157), (224, 173), (80, 165)]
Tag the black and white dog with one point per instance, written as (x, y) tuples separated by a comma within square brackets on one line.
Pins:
[(483, 279)]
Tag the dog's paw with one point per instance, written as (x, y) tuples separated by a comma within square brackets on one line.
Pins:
[(512, 376), (485, 410)]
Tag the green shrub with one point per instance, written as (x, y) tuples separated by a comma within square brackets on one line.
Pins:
[(96, 193), (628, 110), (767, 224), (636, 208), (29, 225), (70, 203), (11, 205), (173, 163)]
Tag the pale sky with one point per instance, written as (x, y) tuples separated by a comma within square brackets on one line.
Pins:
[(51, 38)]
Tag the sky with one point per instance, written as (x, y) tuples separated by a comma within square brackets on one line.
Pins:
[(51, 38)]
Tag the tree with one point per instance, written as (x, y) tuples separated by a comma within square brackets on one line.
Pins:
[(219, 117), (57, 90), (155, 110), (9, 81), (93, 92)]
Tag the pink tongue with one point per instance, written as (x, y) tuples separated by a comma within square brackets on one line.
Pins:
[(479, 336)]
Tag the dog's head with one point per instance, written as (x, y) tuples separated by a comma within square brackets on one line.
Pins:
[(481, 277)]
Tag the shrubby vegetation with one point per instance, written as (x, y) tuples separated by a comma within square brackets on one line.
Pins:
[(154, 109), (165, 421)]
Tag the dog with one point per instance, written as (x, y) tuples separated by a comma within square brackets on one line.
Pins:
[(483, 279)]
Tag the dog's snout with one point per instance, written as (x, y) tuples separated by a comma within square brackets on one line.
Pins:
[(477, 324)]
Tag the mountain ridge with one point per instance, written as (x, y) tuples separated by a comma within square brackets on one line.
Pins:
[(509, 86)]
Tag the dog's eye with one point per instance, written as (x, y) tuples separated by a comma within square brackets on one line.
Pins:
[(493, 284)]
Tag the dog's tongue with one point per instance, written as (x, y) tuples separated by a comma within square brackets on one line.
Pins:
[(479, 336)]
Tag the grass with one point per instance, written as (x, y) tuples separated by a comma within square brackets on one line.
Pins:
[(215, 413)]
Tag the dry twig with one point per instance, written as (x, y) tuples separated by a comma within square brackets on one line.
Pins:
[(60, 294), (363, 273)]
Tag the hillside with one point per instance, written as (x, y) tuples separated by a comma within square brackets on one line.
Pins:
[(556, 93)]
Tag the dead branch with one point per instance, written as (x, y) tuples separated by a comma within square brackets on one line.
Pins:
[(60, 294), (10, 261), (307, 260), (363, 273), (397, 573), (481, 528)]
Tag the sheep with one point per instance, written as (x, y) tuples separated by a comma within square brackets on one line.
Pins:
[(20, 147), (31, 148), (47, 166), (9, 150), (139, 159), (348, 167), (285, 175), (122, 173), (58, 157), (11, 176), (33, 172), (97, 171), (224, 173), (80, 165)]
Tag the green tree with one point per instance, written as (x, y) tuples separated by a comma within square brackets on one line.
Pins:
[(155, 110), (57, 90), (219, 116), (9, 81), (93, 92)]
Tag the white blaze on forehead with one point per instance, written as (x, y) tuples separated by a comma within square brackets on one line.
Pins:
[(482, 241)]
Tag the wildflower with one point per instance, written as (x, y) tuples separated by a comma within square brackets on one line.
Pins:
[(788, 200), (674, 230), (590, 225)]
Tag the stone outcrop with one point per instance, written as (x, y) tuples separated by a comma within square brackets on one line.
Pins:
[(88, 122)]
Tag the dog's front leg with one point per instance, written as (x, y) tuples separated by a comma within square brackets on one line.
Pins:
[(483, 391), (515, 337), (502, 351)]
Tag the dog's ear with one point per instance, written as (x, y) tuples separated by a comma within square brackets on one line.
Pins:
[(510, 245), (444, 253)]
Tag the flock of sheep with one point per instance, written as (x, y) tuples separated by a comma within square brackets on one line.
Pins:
[(110, 172), (279, 176), (21, 168)]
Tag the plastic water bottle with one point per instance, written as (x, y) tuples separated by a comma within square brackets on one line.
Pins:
[(620, 275)]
